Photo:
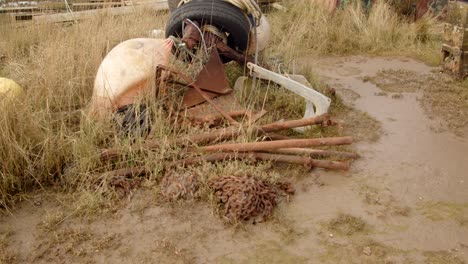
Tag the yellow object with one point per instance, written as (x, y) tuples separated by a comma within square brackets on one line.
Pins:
[(9, 88)]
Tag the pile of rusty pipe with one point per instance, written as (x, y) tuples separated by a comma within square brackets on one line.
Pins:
[(271, 145), (306, 161), (228, 133)]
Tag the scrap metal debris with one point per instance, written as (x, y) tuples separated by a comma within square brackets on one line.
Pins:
[(208, 99), (244, 198), (176, 186)]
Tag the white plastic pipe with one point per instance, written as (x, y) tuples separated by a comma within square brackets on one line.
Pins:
[(316, 103)]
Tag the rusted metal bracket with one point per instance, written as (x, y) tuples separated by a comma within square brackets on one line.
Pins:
[(199, 90), (191, 36), (232, 54), (212, 78)]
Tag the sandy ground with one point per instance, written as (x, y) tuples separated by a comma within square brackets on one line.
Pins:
[(404, 201)]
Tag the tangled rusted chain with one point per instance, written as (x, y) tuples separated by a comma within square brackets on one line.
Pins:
[(244, 198), (176, 186), (124, 185)]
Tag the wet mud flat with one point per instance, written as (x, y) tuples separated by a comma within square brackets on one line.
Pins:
[(404, 201)]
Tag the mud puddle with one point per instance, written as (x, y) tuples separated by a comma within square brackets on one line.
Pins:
[(411, 162), (404, 201)]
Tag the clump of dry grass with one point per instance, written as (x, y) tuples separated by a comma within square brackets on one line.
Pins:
[(441, 210), (5, 255), (44, 137), (307, 29), (362, 250), (439, 257), (347, 225), (69, 244)]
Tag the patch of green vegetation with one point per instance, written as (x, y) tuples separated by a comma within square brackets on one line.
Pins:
[(443, 96), (69, 243), (347, 225), (6, 256), (383, 200), (397, 81), (362, 251), (168, 251), (286, 227), (266, 253), (442, 257), (442, 210)]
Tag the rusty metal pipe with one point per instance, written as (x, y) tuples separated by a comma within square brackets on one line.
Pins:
[(273, 136), (227, 133), (315, 153), (278, 126), (292, 143), (306, 161)]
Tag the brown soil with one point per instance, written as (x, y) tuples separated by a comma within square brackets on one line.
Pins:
[(404, 201)]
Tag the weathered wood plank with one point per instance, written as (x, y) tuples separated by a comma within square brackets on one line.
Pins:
[(80, 15)]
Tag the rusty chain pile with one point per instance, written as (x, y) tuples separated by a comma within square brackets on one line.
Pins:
[(243, 197), (176, 186), (123, 185)]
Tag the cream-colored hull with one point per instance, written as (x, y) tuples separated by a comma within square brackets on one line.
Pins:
[(124, 72)]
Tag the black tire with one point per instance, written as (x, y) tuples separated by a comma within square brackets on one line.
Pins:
[(223, 15)]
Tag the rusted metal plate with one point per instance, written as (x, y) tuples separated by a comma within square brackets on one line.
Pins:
[(228, 103), (192, 97), (212, 77)]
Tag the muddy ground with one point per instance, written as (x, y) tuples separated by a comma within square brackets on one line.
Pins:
[(404, 201)]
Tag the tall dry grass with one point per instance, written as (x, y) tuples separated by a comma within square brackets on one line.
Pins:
[(45, 137), (308, 29), (42, 133)]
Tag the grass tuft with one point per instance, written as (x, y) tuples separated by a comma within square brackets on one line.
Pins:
[(347, 225)]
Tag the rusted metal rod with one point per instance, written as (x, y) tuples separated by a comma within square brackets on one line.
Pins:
[(314, 152), (292, 143), (333, 165), (227, 133), (232, 54), (278, 126), (274, 136)]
